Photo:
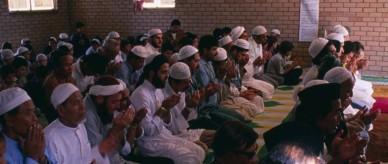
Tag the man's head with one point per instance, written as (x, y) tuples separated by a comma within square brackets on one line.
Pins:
[(239, 32), (52, 41), (340, 29), (236, 143), (95, 43), (175, 25), (156, 72), (93, 64), (17, 111), (41, 59), (285, 48), (259, 34), (190, 56), (291, 153), (208, 47), (107, 95), (79, 25), (318, 49), (137, 56), (155, 37), (226, 42), (345, 78), (24, 52), (111, 47), (7, 56), (322, 112), (221, 63), (126, 46), (179, 77), (167, 49), (62, 61), (21, 67), (8, 74), (240, 51), (67, 100)]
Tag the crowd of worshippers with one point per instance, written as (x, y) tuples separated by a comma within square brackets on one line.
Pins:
[(175, 97)]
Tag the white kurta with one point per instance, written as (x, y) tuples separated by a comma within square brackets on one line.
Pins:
[(179, 125), (157, 139), (249, 81), (312, 74), (81, 80), (255, 51), (71, 145), (362, 92)]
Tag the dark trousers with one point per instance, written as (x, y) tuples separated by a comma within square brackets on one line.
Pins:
[(292, 77)]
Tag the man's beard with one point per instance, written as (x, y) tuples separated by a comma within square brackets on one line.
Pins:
[(158, 83), (104, 114)]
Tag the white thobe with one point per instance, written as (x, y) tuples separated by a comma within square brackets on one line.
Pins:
[(152, 52), (158, 141), (179, 125), (255, 51), (81, 80), (71, 145), (312, 74), (250, 82)]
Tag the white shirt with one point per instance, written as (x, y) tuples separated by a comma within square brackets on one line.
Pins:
[(152, 52), (71, 145), (81, 80), (255, 51)]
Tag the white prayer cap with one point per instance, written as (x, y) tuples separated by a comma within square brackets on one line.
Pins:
[(24, 41), (108, 90), (225, 40), (338, 75), (95, 40), (180, 71), (276, 31), (237, 32), (316, 46), (21, 50), (53, 38), (6, 54), (63, 36), (113, 35), (61, 93), (242, 44), (259, 30), (341, 30), (41, 57), (314, 83), (144, 37), (66, 44), (154, 31), (336, 36), (186, 52), (11, 98), (140, 51), (174, 57), (222, 55)]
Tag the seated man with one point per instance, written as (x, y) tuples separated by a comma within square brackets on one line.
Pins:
[(17, 112), (157, 139), (66, 136), (235, 143)]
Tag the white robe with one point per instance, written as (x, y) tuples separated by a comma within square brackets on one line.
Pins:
[(157, 139), (312, 74), (179, 125), (255, 51), (71, 145), (362, 92), (249, 81), (152, 52), (81, 80)]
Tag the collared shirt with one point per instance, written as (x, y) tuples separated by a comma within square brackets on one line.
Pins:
[(14, 155), (71, 145)]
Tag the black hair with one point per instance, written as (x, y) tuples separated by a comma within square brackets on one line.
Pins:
[(357, 47), (271, 41), (218, 33), (19, 62), (167, 46), (226, 30), (12, 112), (231, 136), (6, 70), (284, 47), (207, 42), (154, 66), (328, 62), (57, 56), (348, 47), (6, 45), (175, 22), (336, 44), (96, 62), (124, 43)]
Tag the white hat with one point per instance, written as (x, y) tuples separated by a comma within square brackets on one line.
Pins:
[(113, 35), (186, 52), (41, 57), (96, 41), (242, 44), (338, 75), (61, 93), (336, 36), (154, 31), (259, 30), (237, 32), (222, 55), (180, 71), (21, 50), (11, 98), (6, 54), (225, 40), (63, 36), (340, 29), (24, 41), (53, 38), (140, 51), (66, 44), (314, 83), (316, 46), (276, 31), (144, 37)]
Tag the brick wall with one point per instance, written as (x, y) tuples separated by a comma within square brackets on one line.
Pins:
[(38, 26), (365, 17)]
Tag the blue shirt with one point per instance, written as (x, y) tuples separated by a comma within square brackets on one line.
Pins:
[(205, 76), (14, 155), (129, 75)]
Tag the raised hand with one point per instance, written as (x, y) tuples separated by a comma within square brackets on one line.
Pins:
[(171, 101), (193, 100), (124, 119), (140, 115), (33, 146)]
